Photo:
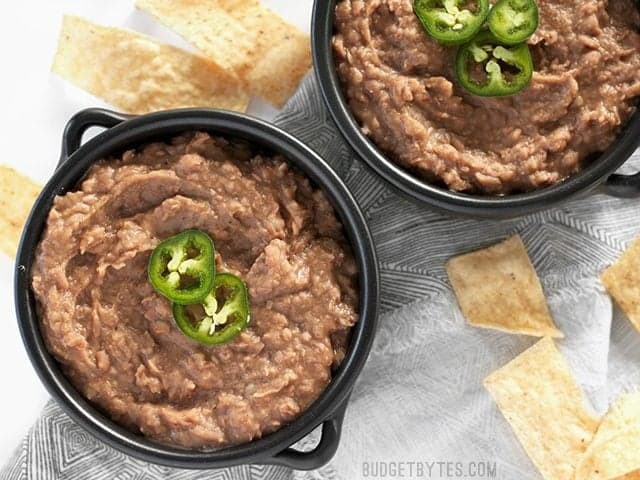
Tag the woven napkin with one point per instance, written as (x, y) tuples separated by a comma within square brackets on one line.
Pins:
[(420, 397)]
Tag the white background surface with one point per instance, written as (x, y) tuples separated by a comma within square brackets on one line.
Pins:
[(35, 107)]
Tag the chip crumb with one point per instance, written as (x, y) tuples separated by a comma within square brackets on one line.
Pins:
[(622, 281), (18, 193), (497, 287)]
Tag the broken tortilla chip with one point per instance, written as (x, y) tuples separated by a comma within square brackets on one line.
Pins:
[(139, 75), (498, 288), (546, 408), (614, 452), (243, 37), (622, 281), (17, 195)]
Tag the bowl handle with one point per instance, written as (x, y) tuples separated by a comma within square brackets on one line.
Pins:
[(81, 122), (623, 186), (322, 453)]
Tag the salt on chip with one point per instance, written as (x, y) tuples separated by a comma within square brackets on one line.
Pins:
[(622, 281), (17, 195), (546, 408), (138, 74), (243, 37), (614, 452), (498, 288)]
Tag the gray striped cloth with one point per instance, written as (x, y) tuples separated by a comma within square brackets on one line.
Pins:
[(420, 399)]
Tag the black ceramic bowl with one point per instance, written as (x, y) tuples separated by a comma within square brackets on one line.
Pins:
[(126, 132), (599, 172)]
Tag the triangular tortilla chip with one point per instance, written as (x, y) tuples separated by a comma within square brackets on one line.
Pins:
[(138, 74), (242, 37), (498, 288), (622, 280), (17, 196), (538, 395), (615, 450)]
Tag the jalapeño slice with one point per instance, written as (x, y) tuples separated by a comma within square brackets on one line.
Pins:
[(452, 21), (182, 268), (488, 68), (220, 317), (513, 21)]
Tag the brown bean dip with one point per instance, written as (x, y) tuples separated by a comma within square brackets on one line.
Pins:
[(400, 85), (115, 336)]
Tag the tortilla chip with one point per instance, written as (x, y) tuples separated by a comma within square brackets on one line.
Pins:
[(623, 414), (137, 74), (615, 450), (498, 288), (622, 280), (17, 195), (244, 38), (614, 458), (546, 408)]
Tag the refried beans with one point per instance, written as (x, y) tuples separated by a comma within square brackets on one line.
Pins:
[(115, 336), (400, 85)]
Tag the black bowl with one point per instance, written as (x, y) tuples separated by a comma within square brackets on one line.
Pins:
[(599, 172), (126, 132)]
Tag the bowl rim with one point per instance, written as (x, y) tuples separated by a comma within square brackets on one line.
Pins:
[(140, 130), (588, 178)]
